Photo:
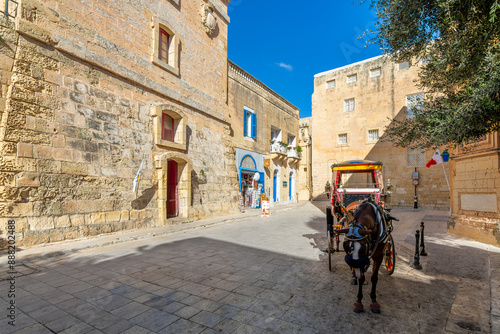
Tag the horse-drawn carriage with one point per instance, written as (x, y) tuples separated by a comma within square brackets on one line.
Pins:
[(357, 202)]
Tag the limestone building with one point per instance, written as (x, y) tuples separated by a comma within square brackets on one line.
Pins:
[(91, 91), (351, 106), (264, 127)]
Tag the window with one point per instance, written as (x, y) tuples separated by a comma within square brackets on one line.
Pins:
[(330, 84), (352, 78), (349, 105), (165, 46), (291, 141), (375, 72), (415, 156), (414, 104), (373, 135), (403, 65), (275, 134), (343, 139), (167, 128), (249, 123)]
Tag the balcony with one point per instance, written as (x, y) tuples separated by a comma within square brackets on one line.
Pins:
[(278, 148), (293, 153)]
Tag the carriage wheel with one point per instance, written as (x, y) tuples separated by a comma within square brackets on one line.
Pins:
[(390, 255), (330, 250)]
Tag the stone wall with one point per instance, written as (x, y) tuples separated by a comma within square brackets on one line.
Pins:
[(76, 120), (475, 184), (378, 99)]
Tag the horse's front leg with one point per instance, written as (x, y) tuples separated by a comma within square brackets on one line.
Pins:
[(374, 306), (358, 305)]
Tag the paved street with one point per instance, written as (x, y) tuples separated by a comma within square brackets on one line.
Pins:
[(253, 274)]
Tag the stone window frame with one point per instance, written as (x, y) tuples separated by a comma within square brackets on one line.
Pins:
[(180, 124), (348, 104), (173, 65)]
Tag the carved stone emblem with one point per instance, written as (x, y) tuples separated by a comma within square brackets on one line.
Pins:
[(208, 18)]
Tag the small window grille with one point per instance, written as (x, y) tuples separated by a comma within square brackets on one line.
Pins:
[(330, 84), (375, 72), (349, 105), (343, 139), (414, 104), (415, 156), (403, 65), (352, 78), (373, 135)]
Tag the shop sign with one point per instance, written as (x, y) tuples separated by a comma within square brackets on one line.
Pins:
[(267, 162)]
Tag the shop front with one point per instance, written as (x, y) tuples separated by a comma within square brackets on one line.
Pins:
[(251, 177)]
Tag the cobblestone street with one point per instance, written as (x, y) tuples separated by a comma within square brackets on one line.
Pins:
[(254, 275)]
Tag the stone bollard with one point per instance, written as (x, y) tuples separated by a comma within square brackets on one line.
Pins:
[(422, 244), (416, 258)]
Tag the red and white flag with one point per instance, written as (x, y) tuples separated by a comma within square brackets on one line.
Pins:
[(436, 159)]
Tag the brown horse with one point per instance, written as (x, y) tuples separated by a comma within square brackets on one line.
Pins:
[(365, 239)]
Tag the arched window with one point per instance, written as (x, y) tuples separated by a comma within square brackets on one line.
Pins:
[(248, 163)]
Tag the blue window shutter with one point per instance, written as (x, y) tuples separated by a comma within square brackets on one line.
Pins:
[(254, 125), (245, 126)]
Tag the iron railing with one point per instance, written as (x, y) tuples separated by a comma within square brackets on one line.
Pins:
[(9, 9)]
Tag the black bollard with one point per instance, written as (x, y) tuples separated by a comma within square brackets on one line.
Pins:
[(422, 244), (416, 258)]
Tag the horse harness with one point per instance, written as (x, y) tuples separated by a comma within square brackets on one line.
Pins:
[(365, 245)]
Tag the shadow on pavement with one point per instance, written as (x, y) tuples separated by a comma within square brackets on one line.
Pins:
[(200, 283)]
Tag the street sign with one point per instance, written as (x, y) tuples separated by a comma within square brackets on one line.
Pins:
[(415, 182)]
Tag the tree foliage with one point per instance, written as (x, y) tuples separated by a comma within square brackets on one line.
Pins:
[(462, 80)]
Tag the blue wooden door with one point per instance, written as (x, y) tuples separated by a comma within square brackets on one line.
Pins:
[(275, 185)]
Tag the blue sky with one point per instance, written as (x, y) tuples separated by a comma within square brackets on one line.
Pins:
[(285, 43)]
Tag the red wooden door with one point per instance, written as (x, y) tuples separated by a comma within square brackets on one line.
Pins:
[(172, 189)]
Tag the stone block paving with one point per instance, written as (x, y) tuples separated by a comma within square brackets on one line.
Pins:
[(199, 282)]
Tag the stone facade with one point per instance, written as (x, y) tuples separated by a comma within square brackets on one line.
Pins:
[(351, 106), (305, 167), (475, 189), (83, 90), (274, 116)]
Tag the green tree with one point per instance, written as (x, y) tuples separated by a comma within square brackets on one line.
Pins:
[(462, 80)]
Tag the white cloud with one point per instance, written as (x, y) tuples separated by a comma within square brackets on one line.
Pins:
[(285, 66)]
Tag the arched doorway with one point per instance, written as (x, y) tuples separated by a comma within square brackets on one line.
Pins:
[(174, 185), (291, 186)]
